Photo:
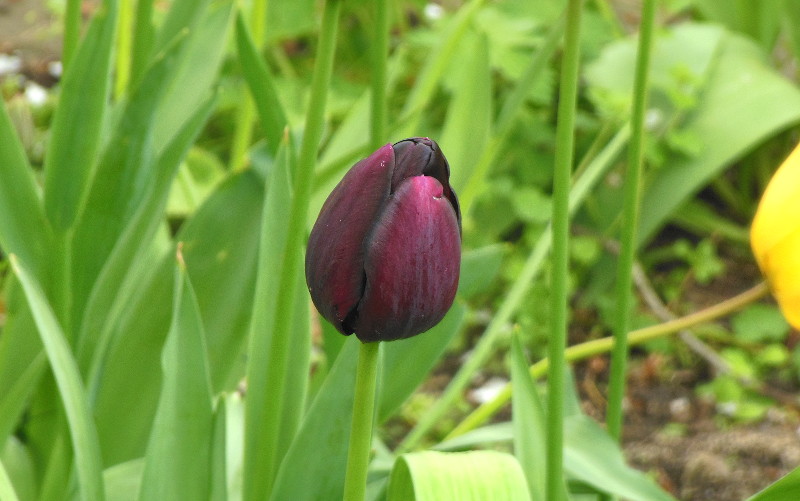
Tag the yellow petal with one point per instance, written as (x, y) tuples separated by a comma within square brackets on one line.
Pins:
[(778, 212), (781, 265)]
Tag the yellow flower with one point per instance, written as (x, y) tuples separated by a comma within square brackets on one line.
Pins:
[(775, 236)]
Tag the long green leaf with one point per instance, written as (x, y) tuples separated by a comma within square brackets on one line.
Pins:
[(529, 423), (77, 124), (259, 79), (23, 226), (76, 405), (269, 348), (785, 489), (178, 460)]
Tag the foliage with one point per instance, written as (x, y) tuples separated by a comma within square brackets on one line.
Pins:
[(157, 336)]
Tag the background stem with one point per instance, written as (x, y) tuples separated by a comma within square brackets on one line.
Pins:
[(630, 220), (568, 91)]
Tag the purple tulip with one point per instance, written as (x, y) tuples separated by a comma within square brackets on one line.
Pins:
[(384, 255)]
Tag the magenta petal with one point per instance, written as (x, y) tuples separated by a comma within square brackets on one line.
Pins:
[(335, 254), (412, 264)]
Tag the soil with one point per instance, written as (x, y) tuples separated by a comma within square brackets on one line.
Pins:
[(670, 432)]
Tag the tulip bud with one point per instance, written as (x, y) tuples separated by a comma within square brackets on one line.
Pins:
[(384, 255), (775, 236)]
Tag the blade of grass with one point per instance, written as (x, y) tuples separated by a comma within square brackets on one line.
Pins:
[(262, 421), (378, 81), (630, 221), (122, 70), (72, 31), (178, 459), (559, 290), (13, 401), (514, 297), (143, 38), (86, 447)]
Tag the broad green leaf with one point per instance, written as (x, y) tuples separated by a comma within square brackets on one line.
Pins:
[(408, 362), (65, 369), (126, 173), (326, 431), (528, 418), (123, 480), (469, 117), (13, 401), (178, 460), (7, 492), (744, 102), (785, 489), (182, 15), (220, 249), (479, 268), (287, 20), (259, 79), (473, 475), (23, 226), (120, 278), (75, 134)]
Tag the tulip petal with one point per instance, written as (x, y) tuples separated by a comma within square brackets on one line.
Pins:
[(778, 209), (782, 269), (335, 255), (412, 264), (420, 156)]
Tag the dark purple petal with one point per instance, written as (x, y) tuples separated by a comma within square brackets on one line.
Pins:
[(336, 253), (418, 156), (412, 264)]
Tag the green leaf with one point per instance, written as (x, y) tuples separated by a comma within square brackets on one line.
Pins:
[(19, 464), (479, 269), (259, 79), (76, 405), (529, 422), (592, 456), (7, 492), (271, 408), (77, 125), (220, 248), (785, 489), (760, 323), (23, 226), (123, 480), (474, 475), (120, 277), (744, 102), (326, 431), (13, 401), (406, 364), (178, 460)]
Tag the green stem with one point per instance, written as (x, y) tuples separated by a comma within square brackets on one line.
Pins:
[(72, 32), (355, 482), (533, 265), (565, 138), (379, 57), (604, 345), (260, 471), (630, 221)]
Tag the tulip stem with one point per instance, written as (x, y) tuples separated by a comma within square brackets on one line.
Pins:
[(630, 221), (355, 482), (559, 291)]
